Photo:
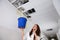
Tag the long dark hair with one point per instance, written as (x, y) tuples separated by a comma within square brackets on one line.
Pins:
[(37, 32)]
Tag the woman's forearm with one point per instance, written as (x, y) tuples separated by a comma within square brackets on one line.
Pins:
[(22, 33)]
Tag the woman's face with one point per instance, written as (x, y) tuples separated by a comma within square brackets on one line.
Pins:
[(35, 28)]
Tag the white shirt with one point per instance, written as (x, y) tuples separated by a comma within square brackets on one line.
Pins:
[(27, 37)]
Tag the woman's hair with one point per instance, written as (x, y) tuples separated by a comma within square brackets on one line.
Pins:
[(37, 32)]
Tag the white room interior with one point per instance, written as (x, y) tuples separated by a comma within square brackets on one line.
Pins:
[(48, 17)]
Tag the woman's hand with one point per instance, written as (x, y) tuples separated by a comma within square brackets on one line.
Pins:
[(34, 31)]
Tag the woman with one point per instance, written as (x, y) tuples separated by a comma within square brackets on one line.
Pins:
[(35, 34)]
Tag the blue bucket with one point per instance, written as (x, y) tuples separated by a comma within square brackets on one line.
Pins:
[(22, 22)]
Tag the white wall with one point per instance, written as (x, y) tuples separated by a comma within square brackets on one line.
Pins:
[(56, 4), (8, 19)]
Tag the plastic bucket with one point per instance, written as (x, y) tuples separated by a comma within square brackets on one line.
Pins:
[(22, 22)]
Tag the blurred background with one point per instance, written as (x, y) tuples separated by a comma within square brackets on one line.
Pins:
[(48, 18)]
